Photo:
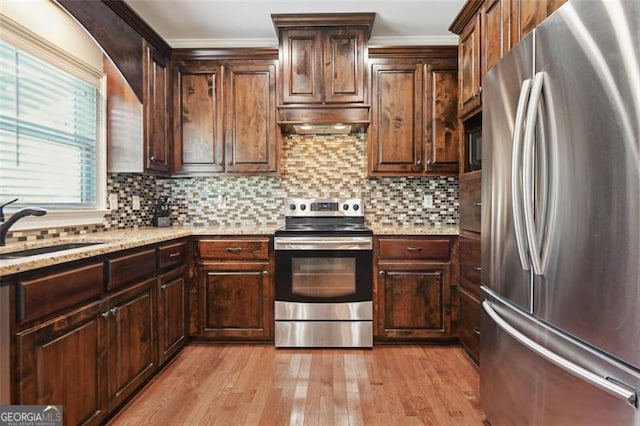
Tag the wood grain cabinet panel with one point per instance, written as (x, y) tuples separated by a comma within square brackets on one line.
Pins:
[(528, 14), (302, 65), (344, 73), (172, 326), (469, 68), (470, 202), (63, 361), (156, 111), (414, 248), (234, 248), (198, 136), (442, 138), (395, 139), (251, 137), (495, 32), (130, 268), (469, 324), (172, 255), (470, 263), (131, 329)]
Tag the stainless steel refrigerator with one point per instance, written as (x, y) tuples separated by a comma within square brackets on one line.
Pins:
[(560, 330)]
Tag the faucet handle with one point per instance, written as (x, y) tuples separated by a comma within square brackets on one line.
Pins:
[(2, 207)]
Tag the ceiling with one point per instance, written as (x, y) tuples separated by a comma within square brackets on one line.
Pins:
[(247, 23)]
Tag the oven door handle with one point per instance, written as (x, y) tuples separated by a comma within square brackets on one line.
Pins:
[(355, 243)]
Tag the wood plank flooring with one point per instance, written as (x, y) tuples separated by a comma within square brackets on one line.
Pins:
[(242, 384)]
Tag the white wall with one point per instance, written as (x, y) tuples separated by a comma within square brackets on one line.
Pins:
[(48, 20)]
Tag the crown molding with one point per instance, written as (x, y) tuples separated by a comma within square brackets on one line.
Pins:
[(191, 43)]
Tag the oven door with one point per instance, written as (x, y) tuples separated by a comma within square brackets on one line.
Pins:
[(324, 270)]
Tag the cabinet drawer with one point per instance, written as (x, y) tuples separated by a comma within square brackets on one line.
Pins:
[(470, 203), (51, 293), (408, 248), (172, 255), (469, 325), (131, 268), (470, 264), (234, 249)]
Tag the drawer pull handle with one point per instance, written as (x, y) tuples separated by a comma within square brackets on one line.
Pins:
[(478, 204), (114, 311), (381, 273), (176, 254), (477, 268), (105, 314), (409, 248), (476, 331), (234, 249), (163, 287)]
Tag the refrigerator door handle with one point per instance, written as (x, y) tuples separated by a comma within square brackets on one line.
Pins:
[(528, 174), (624, 393), (516, 155)]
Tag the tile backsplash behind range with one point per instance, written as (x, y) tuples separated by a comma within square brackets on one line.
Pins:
[(312, 166)]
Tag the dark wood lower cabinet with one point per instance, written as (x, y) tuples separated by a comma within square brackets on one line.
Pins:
[(172, 329), (131, 353), (236, 301), (414, 300), (63, 361), (469, 325)]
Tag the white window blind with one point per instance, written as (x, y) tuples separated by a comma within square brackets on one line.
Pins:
[(48, 133)]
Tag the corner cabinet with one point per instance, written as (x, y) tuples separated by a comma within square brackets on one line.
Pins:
[(414, 125), (156, 98), (225, 119), (413, 288), (235, 297)]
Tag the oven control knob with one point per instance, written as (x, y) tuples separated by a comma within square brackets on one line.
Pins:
[(356, 207), (292, 206), (345, 207), (303, 207)]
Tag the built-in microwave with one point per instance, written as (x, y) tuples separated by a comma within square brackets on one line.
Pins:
[(474, 149)]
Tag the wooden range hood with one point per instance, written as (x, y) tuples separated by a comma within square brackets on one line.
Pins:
[(323, 77)]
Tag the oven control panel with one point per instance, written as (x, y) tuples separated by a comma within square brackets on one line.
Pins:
[(334, 207)]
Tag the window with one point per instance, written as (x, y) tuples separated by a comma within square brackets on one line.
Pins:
[(48, 133)]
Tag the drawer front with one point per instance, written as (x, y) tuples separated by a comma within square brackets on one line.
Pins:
[(470, 264), (52, 293), (234, 249), (469, 325), (172, 255), (470, 204), (131, 268), (413, 248)]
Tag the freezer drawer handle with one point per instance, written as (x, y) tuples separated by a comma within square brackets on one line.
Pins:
[(622, 392)]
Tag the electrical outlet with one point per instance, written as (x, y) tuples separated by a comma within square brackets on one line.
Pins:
[(427, 201), (222, 201), (113, 201), (135, 202)]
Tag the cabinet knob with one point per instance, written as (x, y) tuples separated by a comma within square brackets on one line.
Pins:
[(478, 204), (152, 158), (163, 287), (477, 268), (265, 273), (381, 273), (105, 314), (419, 163), (476, 331), (114, 311), (479, 90)]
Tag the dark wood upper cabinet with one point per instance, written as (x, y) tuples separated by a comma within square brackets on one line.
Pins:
[(414, 122), (322, 57), (251, 136), (528, 14), (469, 63), (495, 32), (156, 111)]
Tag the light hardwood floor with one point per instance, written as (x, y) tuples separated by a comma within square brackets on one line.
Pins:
[(241, 384)]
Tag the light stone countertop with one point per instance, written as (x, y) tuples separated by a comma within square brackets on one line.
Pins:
[(415, 230), (109, 241), (112, 241)]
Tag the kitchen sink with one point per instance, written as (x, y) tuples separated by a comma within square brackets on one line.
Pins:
[(45, 250)]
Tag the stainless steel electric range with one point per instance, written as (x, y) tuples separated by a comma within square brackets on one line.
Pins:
[(324, 278)]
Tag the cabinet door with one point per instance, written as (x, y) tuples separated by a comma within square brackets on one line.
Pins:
[(344, 79), (469, 324), (62, 361), (156, 109), (395, 136), (301, 56), (469, 63), (251, 136), (495, 32), (441, 115), (414, 301), (132, 352), (528, 14), (199, 138), (171, 313), (236, 301)]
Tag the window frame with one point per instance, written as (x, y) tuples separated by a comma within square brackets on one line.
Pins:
[(41, 48)]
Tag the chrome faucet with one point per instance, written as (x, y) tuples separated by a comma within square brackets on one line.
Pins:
[(4, 226)]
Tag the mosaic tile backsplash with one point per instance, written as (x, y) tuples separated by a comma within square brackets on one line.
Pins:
[(311, 166)]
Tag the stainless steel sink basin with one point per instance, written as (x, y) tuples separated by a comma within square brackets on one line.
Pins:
[(44, 250)]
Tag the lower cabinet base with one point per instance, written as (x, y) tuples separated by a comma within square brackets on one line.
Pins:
[(328, 334)]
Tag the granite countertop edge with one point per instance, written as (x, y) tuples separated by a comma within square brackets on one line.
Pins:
[(117, 240)]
